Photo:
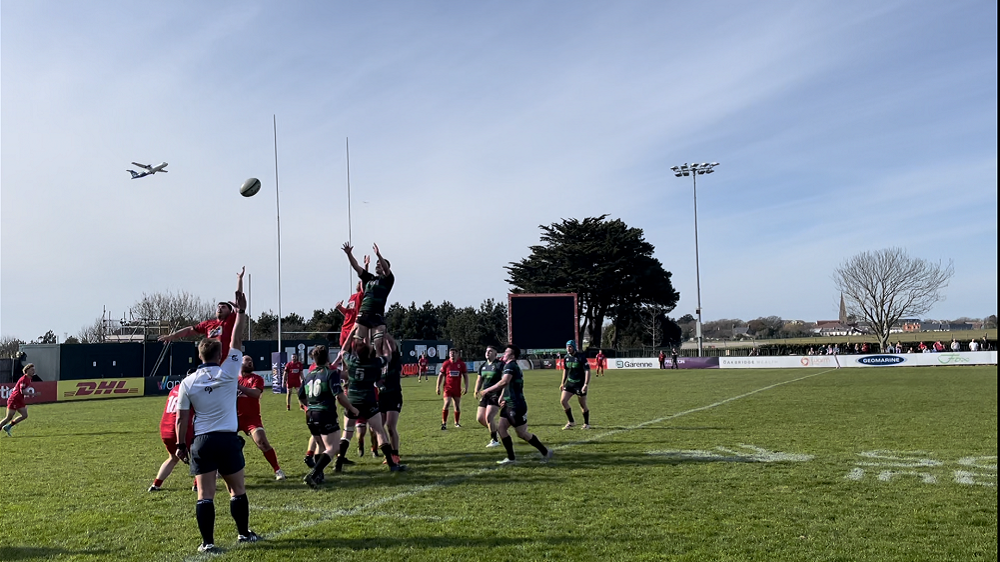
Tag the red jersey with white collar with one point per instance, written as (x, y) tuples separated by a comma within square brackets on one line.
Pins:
[(221, 330), (453, 371)]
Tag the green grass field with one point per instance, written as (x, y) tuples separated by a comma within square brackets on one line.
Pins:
[(855, 464)]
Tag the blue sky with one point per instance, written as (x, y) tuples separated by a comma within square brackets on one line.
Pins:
[(840, 127)]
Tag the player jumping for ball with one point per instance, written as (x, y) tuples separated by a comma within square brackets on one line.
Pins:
[(575, 380), (371, 317), (220, 328)]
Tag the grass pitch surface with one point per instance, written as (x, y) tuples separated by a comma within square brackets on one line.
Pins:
[(854, 464)]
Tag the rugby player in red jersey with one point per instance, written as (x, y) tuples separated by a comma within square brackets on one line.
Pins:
[(293, 380), (422, 364), (453, 374), (602, 362), (15, 400), (250, 386), (350, 310), (220, 328), (168, 433)]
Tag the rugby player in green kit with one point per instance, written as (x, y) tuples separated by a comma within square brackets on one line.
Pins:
[(514, 408), (575, 380)]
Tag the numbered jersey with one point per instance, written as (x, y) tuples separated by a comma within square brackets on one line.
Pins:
[(320, 389), (362, 377), (168, 423)]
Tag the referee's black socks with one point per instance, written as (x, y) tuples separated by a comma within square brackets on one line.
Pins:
[(569, 415), (204, 512), (586, 417), (239, 508)]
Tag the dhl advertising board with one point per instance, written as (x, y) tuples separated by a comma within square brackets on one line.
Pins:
[(100, 388)]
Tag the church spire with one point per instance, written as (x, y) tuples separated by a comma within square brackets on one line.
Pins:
[(843, 311)]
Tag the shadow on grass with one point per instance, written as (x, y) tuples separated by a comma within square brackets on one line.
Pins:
[(45, 553), (426, 543)]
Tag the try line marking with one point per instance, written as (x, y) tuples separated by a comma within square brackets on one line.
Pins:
[(334, 514)]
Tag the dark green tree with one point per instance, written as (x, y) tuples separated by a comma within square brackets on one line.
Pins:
[(48, 337), (606, 263)]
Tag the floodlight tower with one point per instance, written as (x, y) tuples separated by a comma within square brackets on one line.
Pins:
[(694, 170)]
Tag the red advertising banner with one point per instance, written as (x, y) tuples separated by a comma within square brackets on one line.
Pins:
[(591, 361), (37, 393)]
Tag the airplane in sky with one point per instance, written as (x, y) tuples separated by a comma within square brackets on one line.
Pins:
[(150, 170)]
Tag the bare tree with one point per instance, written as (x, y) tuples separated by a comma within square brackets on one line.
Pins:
[(180, 309), (9, 346), (883, 286), (95, 333)]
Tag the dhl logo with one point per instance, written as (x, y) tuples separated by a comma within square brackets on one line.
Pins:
[(98, 388)]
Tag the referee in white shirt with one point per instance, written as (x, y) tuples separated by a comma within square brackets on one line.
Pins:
[(211, 392)]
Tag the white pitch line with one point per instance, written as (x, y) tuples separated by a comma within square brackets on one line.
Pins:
[(334, 514)]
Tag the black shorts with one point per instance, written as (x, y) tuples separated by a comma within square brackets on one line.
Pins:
[(516, 416), (222, 451), (371, 320), (322, 422), (367, 409), (491, 399), (575, 388), (390, 401)]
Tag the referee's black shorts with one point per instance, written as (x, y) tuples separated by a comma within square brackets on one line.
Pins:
[(220, 450)]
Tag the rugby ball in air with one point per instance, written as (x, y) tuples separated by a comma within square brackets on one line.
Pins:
[(250, 187)]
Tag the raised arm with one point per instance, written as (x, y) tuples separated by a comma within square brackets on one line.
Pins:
[(350, 256), (381, 261), (241, 318)]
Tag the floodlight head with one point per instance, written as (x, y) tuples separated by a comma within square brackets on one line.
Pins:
[(709, 171), (675, 168), (705, 165), (715, 163)]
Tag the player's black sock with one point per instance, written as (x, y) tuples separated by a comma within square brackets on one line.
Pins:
[(586, 417), (534, 442), (387, 452), (344, 444), (204, 512), (508, 444), (239, 508), (493, 436), (569, 415), (322, 460)]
